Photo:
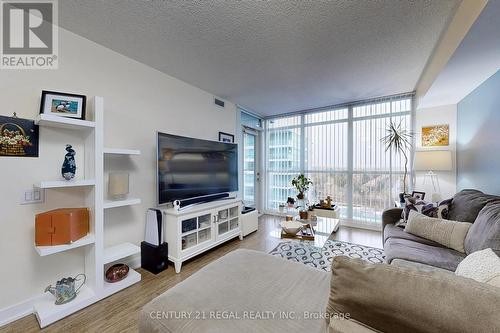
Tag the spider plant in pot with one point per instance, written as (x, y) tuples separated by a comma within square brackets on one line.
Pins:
[(399, 140)]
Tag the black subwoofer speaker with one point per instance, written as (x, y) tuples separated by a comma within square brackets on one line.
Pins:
[(154, 258)]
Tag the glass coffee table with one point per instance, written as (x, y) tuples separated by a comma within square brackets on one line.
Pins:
[(323, 228)]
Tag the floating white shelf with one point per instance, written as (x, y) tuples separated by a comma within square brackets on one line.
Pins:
[(63, 122), (120, 251), (47, 312), (121, 203), (118, 151), (48, 250), (111, 288), (65, 183)]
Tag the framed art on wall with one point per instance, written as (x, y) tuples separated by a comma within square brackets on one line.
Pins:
[(18, 137), (63, 104), (226, 137), (438, 135)]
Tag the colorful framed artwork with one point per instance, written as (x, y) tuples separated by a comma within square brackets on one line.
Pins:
[(433, 136), (63, 104), (226, 137), (18, 137)]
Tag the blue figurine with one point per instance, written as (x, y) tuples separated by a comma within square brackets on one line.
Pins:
[(68, 169)]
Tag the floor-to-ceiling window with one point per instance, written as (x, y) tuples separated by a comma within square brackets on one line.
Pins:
[(340, 149)]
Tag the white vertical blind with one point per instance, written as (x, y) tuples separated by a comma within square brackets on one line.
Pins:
[(339, 165)]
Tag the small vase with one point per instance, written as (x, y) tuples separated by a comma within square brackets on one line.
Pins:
[(303, 215), (68, 169)]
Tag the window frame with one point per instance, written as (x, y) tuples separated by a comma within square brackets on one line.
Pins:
[(350, 120)]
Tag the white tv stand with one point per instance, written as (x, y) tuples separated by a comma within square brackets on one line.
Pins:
[(196, 229)]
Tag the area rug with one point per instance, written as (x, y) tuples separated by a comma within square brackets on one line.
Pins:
[(321, 258)]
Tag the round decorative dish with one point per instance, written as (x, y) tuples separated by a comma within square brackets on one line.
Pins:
[(116, 273), (291, 227)]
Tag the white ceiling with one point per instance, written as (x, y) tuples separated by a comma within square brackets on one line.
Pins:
[(272, 56), (475, 60)]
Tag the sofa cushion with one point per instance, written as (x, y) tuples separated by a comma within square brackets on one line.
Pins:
[(485, 232), (482, 266), (419, 266), (431, 209), (396, 299), (446, 232), (392, 231), (430, 255), (467, 204), (242, 281)]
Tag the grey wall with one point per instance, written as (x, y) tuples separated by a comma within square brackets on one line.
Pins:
[(478, 138)]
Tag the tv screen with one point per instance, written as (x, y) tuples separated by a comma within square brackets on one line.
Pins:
[(189, 168)]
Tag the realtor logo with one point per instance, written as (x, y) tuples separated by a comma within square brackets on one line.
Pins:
[(29, 34)]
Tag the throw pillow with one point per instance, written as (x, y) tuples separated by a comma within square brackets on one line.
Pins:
[(482, 266), (448, 233), (396, 299), (438, 210)]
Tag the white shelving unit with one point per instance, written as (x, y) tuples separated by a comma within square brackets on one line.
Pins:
[(120, 251), (65, 183), (120, 203), (117, 151), (111, 288), (96, 255), (47, 312), (49, 120), (48, 250)]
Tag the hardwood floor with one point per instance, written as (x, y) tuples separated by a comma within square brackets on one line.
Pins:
[(119, 312)]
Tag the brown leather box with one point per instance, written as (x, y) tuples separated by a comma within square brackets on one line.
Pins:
[(61, 226)]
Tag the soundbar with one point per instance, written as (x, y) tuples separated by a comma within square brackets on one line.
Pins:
[(180, 204)]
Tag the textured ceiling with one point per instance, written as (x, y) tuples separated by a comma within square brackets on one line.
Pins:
[(272, 56), (474, 61)]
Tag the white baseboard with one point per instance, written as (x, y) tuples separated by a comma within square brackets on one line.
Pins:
[(25, 308), (17, 311)]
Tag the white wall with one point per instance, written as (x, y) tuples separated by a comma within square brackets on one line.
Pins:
[(440, 115), (138, 101)]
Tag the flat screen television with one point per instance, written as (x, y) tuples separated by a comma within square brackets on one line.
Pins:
[(193, 168)]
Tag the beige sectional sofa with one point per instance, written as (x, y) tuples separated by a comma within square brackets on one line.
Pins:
[(250, 291)]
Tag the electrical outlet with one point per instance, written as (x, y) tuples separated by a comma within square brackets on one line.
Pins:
[(32, 196)]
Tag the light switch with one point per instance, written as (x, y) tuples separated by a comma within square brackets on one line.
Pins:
[(32, 196)]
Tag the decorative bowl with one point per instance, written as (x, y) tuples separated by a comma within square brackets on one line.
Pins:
[(291, 227), (116, 273)]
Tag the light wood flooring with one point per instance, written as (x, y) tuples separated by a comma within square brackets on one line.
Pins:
[(119, 313)]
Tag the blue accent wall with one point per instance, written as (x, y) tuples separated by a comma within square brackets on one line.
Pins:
[(478, 138)]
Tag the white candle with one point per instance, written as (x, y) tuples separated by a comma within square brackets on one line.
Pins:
[(118, 185)]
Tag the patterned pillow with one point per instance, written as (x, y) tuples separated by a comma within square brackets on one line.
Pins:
[(438, 210)]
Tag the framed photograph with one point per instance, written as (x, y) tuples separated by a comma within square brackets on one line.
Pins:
[(18, 137), (433, 136), (63, 104), (418, 195), (226, 137)]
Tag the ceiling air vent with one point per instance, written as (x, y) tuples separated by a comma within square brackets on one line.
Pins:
[(218, 102)]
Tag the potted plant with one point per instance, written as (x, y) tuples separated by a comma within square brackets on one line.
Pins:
[(399, 139), (302, 184), (310, 212)]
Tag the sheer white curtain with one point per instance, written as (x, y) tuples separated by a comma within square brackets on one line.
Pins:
[(340, 149)]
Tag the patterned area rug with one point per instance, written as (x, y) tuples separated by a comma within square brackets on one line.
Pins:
[(321, 258)]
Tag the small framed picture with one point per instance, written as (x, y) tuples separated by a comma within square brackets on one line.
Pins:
[(63, 104), (418, 195), (226, 137)]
